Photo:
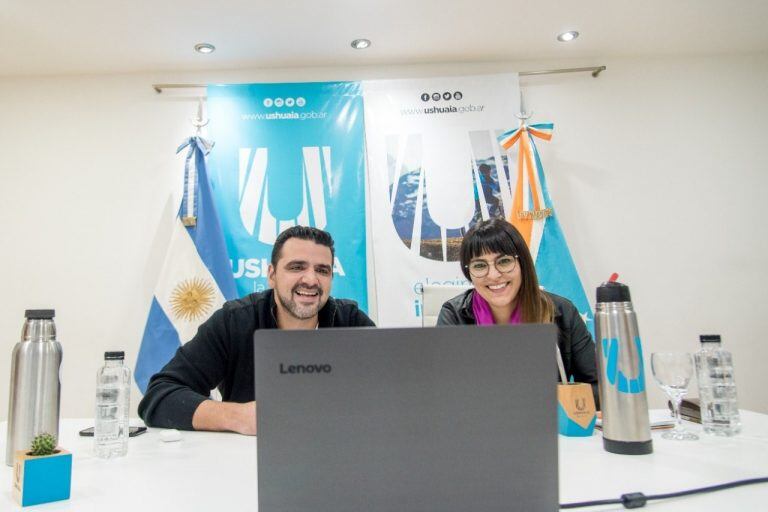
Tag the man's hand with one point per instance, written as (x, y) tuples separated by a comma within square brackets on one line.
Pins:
[(226, 416)]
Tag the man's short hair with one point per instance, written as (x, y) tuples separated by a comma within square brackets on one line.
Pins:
[(318, 236)]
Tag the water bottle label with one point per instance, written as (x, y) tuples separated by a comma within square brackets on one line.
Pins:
[(615, 376)]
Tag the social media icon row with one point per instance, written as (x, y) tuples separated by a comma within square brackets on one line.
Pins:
[(436, 96), (288, 102)]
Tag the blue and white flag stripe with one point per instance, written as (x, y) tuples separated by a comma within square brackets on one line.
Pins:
[(196, 277), (207, 235), (184, 264)]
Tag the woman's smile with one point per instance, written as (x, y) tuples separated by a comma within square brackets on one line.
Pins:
[(498, 289)]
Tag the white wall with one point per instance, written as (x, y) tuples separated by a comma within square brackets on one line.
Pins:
[(656, 169)]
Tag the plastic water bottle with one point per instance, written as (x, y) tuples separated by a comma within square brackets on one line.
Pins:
[(717, 388), (113, 396)]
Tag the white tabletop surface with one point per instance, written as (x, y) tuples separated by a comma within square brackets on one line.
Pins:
[(217, 471)]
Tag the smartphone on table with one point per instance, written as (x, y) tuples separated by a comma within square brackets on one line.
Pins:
[(132, 431)]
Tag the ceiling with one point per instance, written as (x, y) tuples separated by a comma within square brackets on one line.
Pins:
[(52, 37)]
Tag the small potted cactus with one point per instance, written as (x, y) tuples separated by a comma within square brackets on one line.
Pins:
[(44, 444), (42, 474)]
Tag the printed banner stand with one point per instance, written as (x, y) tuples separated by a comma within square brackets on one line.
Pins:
[(290, 154), (439, 161)]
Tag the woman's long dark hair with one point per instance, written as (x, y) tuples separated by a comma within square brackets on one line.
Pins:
[(499, 236)]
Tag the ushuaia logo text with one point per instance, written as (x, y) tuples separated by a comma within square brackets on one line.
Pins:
[(305, 368), (441, 110)]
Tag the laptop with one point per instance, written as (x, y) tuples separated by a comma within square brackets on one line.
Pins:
[(400, 420)]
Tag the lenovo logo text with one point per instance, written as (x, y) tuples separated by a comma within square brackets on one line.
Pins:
[(305, 368)]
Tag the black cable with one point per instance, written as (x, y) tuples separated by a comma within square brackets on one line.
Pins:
[(638, 499), (595, 503), (711, 488)]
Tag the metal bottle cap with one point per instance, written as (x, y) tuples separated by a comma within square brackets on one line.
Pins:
[(39, 314), (113, 356), (709, 338)]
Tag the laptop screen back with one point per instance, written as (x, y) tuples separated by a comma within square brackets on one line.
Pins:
[(431, 419)]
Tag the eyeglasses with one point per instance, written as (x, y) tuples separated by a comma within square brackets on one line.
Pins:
[(504, 265)]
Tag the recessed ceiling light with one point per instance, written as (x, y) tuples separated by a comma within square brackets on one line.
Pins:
[(361, 44), (204, 48), (567, 36)]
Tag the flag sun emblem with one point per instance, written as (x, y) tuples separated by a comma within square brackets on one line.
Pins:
[(192, 298)]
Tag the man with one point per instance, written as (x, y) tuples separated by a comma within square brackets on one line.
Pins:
[(221, 353)]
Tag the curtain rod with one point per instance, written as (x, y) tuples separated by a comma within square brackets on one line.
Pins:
[(595, 70)]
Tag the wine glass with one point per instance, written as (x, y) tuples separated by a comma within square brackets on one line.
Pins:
[(673, 371)]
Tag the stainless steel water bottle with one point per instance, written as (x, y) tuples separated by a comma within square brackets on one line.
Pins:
[(621, 373), (35, 391)]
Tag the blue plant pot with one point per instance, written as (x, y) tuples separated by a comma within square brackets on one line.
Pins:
[(42, 479)]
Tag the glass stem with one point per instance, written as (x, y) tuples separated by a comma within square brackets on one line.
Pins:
[(678, 419)]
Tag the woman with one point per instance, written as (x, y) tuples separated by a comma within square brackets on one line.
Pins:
[(496, 259)]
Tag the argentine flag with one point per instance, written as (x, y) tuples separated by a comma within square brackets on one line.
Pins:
[(196, 278)]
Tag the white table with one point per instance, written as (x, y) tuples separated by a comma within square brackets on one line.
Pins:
[(587, 472), (208, 471)]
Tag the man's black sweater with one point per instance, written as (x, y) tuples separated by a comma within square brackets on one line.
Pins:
[(221, 355)]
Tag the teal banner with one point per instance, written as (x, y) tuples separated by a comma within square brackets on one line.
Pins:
[(290, 154)]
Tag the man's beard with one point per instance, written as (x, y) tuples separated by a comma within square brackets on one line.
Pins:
[(297, 310)]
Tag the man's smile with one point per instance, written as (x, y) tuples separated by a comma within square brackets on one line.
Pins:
[(310, 293)]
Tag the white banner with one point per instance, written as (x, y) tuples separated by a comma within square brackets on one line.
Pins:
[(433, 158)]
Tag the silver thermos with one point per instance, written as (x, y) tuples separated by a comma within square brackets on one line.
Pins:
[(621, 373), (33, 405)]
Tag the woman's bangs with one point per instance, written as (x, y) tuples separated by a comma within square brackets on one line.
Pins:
[(498, 242)]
